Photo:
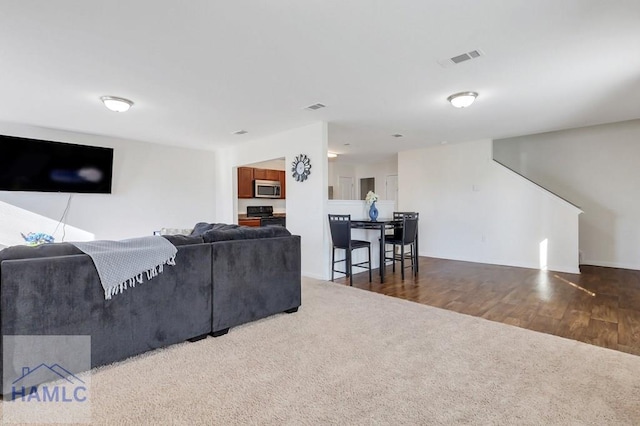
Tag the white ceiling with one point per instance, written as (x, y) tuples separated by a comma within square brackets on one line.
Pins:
[(200, 70)]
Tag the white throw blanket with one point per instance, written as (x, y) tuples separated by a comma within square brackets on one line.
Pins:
[(121, 264)]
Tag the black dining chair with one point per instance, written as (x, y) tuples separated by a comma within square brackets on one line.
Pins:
[(403, 236), (396, 233), (340, 226)]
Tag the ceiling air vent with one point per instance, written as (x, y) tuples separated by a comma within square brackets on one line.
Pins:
[(461, 58), (240, 132), (315, 107)]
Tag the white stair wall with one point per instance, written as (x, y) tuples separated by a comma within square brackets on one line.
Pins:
[(595, 167), (473, 209)]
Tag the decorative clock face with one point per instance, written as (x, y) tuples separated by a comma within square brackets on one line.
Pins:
[(301, 168)]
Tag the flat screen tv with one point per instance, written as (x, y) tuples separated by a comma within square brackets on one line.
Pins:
[(46, 166)]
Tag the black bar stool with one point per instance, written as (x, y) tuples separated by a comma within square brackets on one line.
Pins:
[(340, 226), (405, 236)]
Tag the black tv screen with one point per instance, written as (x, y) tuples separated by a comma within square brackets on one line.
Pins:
[(45, 166)]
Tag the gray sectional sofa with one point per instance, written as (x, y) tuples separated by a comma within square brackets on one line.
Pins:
[(224, 276)]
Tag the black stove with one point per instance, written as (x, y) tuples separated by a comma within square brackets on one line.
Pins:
[(259, 211), (265, 213)]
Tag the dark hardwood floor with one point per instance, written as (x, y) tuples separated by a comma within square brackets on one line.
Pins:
[(600, 306)]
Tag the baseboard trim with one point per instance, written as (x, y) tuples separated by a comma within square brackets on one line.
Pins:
[(564, 269), (316, 276), (610, 264)]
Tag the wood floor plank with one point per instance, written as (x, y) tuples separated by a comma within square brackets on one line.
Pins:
[(544, 324), (456, 306), (442, 299), (629, 328), (553, 309), (516, 296), (525, 313), (476, 309), (605, 308), (545, 301), (607, 287), (602, 333), (581, 302), (574, 324), (516, 321), (634, 350), (629, 298), (499, 312)]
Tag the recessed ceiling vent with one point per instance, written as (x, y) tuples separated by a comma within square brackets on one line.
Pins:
[(315, 107), (240, 132), (461, 58)]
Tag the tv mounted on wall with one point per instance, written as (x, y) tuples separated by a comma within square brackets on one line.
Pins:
[(46, 166)]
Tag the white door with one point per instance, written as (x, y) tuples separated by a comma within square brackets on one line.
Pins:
[(346, 190), (391, 187)]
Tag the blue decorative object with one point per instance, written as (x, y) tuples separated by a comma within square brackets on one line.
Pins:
[(37, 238), (373, 212)]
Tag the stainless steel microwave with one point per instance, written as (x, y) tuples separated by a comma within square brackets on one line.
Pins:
[(266, 189)]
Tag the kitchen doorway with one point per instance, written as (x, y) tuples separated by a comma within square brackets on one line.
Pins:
[(366, 185)]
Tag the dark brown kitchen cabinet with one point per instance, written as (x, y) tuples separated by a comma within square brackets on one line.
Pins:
[(260, 174), (273, 174), (245, 182), (246, 176), (265, 174), (249, 222), (282, 177)]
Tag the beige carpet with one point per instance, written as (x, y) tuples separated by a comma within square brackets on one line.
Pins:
[(354, 357)]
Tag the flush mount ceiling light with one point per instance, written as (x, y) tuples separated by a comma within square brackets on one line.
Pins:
[(116, 104), (332, 154), (462, 99)]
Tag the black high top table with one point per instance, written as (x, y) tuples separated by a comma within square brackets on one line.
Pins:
[(382, 225)]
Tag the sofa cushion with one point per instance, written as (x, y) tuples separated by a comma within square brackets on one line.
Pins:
[(201, 227), (184, 240), (44, 250), (244, 233)]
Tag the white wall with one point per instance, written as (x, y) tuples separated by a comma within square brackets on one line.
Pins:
[(276, 164), (473, 209), (596, 168), (17, 222), (379, 171), (154, 186), (337, 170), (306, 201)]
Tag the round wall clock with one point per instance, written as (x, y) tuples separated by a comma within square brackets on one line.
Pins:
[(301, 168)]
